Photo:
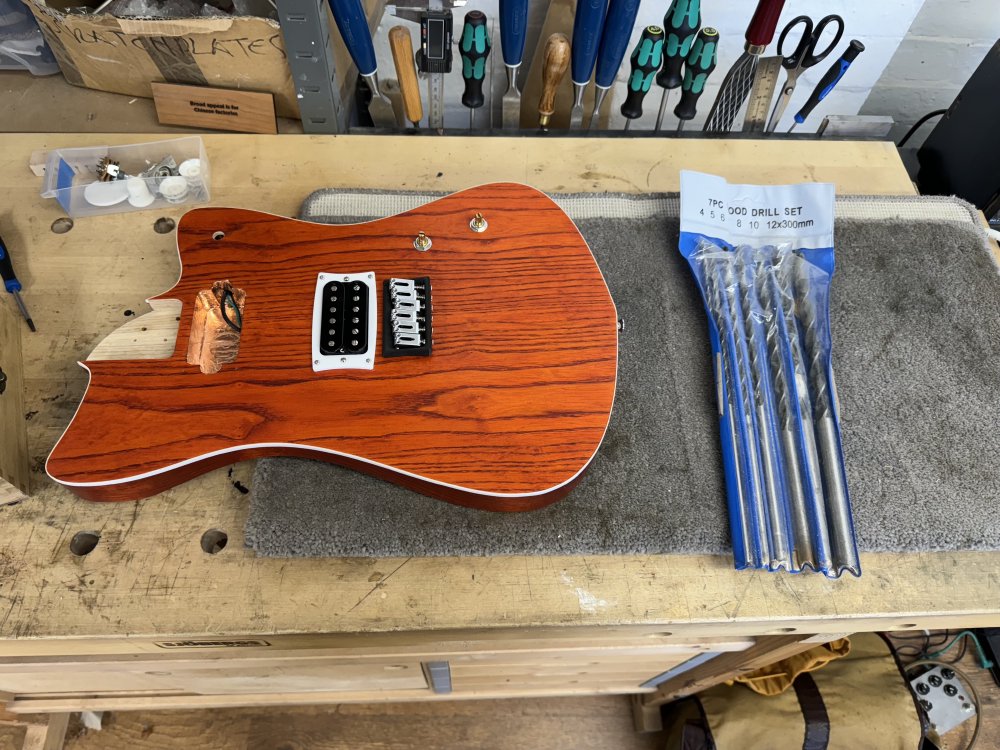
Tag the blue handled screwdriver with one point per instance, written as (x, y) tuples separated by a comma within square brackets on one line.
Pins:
[(11, 283), (587, 26), (830, 79), (614, 41), (353, 25)]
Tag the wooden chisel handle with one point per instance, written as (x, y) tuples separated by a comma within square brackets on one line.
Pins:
[(555, 63), (406, 73)]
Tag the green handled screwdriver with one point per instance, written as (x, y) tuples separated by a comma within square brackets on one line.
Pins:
[(646, 59), (698, 66), (474, 48), (828, 81), (11, 283), (682, 21)]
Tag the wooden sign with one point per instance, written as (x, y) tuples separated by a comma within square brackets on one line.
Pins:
[(214, 109)]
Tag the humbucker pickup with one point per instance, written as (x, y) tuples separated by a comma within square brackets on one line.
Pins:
[(344, 315), (406, 317)]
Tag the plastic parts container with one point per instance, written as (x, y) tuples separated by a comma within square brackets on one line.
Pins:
[(70, 174), (22, 45)]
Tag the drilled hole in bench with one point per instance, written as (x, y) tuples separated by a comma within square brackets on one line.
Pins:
[(84, 542), (63, 225), (214, 541), (164, 225)]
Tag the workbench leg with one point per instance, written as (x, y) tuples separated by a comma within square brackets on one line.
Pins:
[(47, 736), (766, 650), (646, 717)]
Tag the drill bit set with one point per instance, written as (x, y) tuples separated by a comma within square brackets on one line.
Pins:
[(768, 310)]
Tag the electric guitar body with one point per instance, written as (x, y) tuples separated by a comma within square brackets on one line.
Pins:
[(470, 358)]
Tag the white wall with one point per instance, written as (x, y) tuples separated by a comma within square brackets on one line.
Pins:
[(945, 44)]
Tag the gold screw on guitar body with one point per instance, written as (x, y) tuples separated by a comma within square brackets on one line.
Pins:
[(478, 223), (422, 243)]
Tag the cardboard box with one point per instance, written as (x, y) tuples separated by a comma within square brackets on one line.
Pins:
[(125, 55)]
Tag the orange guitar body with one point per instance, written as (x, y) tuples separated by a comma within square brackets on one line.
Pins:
[(504, 412)]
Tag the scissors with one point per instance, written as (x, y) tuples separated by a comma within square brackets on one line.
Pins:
[(804, 56)]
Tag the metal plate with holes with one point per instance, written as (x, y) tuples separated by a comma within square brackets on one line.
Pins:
[(344, 321), (944, 698)]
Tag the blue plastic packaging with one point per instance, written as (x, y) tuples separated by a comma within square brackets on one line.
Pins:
[(769, 325)]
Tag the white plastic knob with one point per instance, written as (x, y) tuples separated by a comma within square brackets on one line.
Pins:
[(174, 189), (139, 194)]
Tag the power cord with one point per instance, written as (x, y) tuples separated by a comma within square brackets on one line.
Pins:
[(917, 124)]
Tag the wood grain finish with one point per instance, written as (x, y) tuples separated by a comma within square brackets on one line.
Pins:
[(505, 414)]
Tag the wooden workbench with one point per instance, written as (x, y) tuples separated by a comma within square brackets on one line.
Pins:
[(148, 618)]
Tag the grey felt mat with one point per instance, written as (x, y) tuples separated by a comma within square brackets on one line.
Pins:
[(916, 325)]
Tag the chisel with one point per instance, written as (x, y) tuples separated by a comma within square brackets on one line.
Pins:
[(739, 80), (587, 26), (614, 41), (406, 73), (681, 22), (554, 65), (474, 47), (353, 25), (645, 61), (513, 25), (830, 79), (12, 284), (699, 65)]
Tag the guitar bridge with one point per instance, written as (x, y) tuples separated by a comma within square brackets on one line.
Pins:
[(406, 317)]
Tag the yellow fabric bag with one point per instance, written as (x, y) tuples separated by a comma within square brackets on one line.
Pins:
[(776, 678)]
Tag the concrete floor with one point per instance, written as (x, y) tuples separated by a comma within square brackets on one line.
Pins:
[(50, 104)]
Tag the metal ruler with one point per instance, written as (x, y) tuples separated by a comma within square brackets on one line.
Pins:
[(759, 105)]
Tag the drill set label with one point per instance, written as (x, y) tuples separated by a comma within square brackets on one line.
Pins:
[(763, 258)]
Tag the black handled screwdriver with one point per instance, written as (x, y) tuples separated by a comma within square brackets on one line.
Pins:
[(698, 66), (474, 48), (11, 283), (682, 20), (645, 61)]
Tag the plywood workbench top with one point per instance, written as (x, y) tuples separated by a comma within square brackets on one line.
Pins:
[(149, 576)]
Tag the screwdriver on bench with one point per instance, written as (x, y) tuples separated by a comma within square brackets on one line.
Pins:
[(698, 66), (474, 48), (645, 61), (681, 22), (11, 283), (830, 79)]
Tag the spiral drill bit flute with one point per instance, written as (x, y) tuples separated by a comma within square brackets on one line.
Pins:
[(726, 382), (803, 552), (815, 499), (751, 318), (816, 332), (749, 432)]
